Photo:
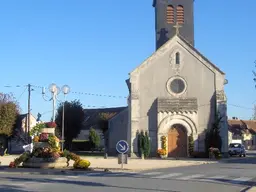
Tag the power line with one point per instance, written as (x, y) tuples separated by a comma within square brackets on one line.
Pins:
[(100, 95), (123, 97), (91, 94), (21, 94)]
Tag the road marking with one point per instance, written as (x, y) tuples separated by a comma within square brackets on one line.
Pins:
[(93, 174), (213, 178), (151, 173), (58, 178), (70, 176), (190, 177), (167, 176), (240, 179)]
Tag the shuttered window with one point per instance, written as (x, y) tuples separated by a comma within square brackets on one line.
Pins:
[(170, 14), (180, 14)]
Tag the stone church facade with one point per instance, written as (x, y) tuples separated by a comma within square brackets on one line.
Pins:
[(176, 92)]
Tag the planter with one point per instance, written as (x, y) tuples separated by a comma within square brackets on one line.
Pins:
[(41, 144), (34, 162), (48, 130), (163, 156)]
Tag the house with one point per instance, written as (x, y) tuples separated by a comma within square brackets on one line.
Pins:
[(92, 118), (243, 130), (176, 92), (19, 138)]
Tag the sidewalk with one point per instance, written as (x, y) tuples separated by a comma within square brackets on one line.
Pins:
[(133, 164), (252, 189)]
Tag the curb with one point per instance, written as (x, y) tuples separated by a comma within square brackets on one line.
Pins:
[(250, 189), (31, 171)]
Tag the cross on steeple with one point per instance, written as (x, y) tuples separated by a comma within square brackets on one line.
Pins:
[(177, 26)]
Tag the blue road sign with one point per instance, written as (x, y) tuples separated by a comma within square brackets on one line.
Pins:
[(122, 146)]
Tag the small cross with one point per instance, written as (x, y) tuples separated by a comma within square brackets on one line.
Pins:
[(177, 26)]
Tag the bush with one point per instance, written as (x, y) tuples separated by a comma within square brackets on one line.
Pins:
[(143, 144), (81, 164), (190, 145), (94, 139), (214, 152)]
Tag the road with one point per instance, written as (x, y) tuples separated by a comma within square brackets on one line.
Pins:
[(230, 176)]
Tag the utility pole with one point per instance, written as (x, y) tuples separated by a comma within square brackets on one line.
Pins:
[(29, 110)]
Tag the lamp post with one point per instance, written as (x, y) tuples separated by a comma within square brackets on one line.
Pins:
[(55, 90), (65, 89)]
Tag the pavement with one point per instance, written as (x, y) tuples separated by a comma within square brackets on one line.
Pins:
[(107, 182), (133, 164), (230, 175)]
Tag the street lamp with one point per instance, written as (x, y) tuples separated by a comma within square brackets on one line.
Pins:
[(65, 89), (55, 90)]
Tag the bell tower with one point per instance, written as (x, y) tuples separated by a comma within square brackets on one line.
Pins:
[(170, 12)]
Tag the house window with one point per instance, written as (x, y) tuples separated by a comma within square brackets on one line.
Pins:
[(177, 58), (170, 14), (180, 14)]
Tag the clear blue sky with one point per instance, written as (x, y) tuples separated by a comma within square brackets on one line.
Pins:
[(92, 47)]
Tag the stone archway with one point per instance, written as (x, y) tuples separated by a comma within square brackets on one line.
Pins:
[(184, 127), (177, 141)]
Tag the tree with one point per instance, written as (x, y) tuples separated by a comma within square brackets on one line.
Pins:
[(9, 110), (191, 144), (73, 120), (103, 124), (94, 139), (143, 144), (213, 138)]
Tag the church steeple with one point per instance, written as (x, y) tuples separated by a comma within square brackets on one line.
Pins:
[(168, 14)]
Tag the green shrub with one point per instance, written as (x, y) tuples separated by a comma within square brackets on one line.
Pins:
[(94, 139), (190, 145), (143, 144)]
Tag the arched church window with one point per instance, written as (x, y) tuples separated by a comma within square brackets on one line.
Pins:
[(177, 58), (170, 14), (180, 14)]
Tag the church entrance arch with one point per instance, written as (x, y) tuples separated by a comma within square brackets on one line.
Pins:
[(177, 141), (176, 128)]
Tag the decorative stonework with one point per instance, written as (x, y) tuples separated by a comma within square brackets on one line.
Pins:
[(172, 60), (168, 86), (167, 120), (168, 46), (220, 95), (177, 105)]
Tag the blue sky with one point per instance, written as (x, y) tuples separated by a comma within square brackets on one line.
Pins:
[(92, 47)]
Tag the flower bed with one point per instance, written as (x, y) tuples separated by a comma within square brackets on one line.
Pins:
[(47, 154), (163, 151)]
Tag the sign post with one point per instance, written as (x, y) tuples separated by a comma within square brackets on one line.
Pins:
[(122, 147)]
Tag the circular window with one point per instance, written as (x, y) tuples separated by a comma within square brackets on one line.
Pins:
[(176, 86)]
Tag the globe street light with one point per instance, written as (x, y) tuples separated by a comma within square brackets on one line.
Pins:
[(65, 89), (55, 90)]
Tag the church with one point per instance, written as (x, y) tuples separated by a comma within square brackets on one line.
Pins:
[(176, 92)]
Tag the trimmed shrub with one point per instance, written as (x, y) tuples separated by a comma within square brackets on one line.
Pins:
[(190, 145)]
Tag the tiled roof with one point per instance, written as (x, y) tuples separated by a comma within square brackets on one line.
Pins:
[(92, 116), (238, 126)]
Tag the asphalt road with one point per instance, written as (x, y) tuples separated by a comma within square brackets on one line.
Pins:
[(233, 175)]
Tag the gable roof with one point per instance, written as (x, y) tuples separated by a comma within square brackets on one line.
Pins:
[(200, 54), (238, 126), (165, 46), (92, 116)]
